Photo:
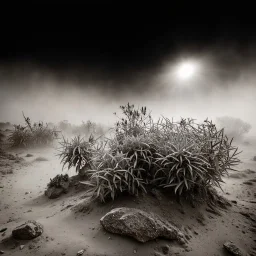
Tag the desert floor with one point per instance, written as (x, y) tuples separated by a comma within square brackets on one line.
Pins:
[(22, 185)]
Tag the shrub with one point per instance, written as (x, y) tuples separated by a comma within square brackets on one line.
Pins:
[(185, 157), (32, 135)]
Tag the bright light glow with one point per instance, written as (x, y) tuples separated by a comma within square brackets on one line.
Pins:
[(186, 70)]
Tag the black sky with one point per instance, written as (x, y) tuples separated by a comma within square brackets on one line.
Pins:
[(120, 36)]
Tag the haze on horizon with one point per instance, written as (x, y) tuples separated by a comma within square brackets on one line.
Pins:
[(45, 94)]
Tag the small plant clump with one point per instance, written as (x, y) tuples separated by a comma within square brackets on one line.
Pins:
[(32, 135), (184, 157), (77, 153), (58, 180)]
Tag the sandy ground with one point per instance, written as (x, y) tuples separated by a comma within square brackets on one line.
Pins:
[(66, 232)]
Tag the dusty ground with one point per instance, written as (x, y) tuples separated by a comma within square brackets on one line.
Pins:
[(22, 184)]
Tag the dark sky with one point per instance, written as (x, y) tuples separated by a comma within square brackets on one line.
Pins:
[(119, 36)]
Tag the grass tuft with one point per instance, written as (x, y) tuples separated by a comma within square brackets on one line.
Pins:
[(32, 135)]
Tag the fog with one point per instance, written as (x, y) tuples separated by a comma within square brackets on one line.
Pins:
[(224, 85)]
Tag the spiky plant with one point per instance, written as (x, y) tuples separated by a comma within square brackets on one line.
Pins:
[(113, 175), (32, 135), (194, 158), (77, 153), (186, 157), (133, 123)]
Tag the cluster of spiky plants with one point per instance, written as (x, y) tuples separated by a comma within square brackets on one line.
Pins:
[(186, 157), (77, 153), (114, 174), (193, 157), (32, 135), (133, 123)]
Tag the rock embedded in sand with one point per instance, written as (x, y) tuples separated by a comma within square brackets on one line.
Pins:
[(254, 158), (81, 252), (53, 192), (29, 230), (55, 189), (232, 248), (41, 159), (29, 155), (141, 225)]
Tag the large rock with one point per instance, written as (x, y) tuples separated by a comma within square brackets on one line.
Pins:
[(140, 225), (232, 248), (29, 230)]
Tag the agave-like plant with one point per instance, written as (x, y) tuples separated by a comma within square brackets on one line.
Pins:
[(77, 153), (194, 155), (113, 175)]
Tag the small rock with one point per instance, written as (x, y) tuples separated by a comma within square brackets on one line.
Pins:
[(28, 230), (253, 229), (31, 246), (40, 159), (248, 183), (29, 155), (157, 193), (53, 192), (1, 252), (232, 248), (21, 246), (181, 211), (254, 158), (165, 249), (81, 252), (134, 251), (3, 229)]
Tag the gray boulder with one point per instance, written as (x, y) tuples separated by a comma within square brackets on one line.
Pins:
[(29, 230), (232, 248), (142, 226)]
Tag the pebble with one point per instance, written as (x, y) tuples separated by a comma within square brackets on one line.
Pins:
[(81, 252)]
